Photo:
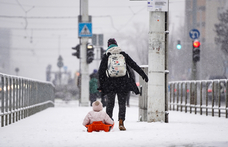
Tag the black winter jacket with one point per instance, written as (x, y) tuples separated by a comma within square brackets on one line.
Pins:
[(119, 84)]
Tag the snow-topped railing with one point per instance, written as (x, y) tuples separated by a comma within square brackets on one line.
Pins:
[(21, 97), (208, 97)]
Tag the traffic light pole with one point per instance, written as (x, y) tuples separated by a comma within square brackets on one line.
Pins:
[(194, 70), (194, 64), (83, 63)]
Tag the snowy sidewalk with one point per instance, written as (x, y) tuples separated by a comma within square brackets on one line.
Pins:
[(61, 126)]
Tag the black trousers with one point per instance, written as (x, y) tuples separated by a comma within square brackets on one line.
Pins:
[(111, 103), (128, 99)]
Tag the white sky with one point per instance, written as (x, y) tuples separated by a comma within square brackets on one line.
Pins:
[(111, 18), (61, 126)]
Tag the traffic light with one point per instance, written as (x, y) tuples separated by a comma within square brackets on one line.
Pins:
[(48, 73), (77, 53), (102, 52), (178, 44), (196, 51), (90, 54)]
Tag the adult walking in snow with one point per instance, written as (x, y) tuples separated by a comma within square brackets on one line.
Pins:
[(116, 80)]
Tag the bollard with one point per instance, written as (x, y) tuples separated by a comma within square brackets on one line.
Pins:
[(143, 97)]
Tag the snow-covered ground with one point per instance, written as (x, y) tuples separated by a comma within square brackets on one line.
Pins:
[(61, 126)]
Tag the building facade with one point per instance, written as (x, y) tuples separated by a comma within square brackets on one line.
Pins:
[(203, 15)]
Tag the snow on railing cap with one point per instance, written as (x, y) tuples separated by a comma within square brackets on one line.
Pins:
[(20, 77), (198, 81)]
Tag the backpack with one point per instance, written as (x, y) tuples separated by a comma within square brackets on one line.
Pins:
[(116, 65)]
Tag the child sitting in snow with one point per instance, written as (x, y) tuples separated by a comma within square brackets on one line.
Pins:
[(97, 115)]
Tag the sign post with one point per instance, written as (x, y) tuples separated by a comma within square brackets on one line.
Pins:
[(60, 65), (84, 32)]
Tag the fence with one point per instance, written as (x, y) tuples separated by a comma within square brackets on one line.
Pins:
[(207, 97), (22, 97)]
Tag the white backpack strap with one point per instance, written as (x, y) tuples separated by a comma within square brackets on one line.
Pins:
[(107, 74)]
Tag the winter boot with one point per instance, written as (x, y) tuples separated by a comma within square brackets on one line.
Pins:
[(121, 125)]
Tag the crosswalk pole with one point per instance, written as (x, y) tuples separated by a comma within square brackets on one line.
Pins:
[(84, 66)]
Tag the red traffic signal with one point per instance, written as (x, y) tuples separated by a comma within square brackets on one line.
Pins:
[(196, 43), (196, 51)]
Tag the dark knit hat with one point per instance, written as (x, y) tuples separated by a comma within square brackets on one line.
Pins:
[(112, 41)]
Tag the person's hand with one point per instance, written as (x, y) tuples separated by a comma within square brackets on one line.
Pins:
[(99, 89), (145, 78), (108, 53)]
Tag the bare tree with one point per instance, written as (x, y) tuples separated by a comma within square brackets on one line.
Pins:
[(137, 40), (222, 31)]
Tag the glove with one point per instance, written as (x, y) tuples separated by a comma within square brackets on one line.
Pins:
[(108, 54), (145, 78)]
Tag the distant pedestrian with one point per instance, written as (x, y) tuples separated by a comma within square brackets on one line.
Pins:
[(122, 83), (93, 85)]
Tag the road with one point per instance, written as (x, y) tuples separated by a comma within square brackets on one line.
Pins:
[(61, 126)]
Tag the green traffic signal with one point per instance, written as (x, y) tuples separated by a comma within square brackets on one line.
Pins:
[(178, 44)]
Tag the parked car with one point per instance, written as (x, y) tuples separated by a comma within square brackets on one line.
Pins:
[(216, 92), (184, 90)]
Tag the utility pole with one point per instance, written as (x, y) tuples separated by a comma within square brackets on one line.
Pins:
[(83, 64), (157, 66), (157, 56)]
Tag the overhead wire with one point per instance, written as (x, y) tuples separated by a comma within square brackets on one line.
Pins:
[(64, 17), (51, 6), (40, 17)]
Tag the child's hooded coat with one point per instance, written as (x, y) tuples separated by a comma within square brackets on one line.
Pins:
[(97, 115)]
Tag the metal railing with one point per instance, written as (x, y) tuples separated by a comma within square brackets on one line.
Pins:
[(208, 97), (21, 97)]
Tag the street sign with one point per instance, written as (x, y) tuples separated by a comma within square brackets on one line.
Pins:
[(194, 34), (60, 64), (17, 69), (85, 29), (94, 39), (65, 68), (60, 58), (157, 5), (100, 39), (60, 61), (97, 39)]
